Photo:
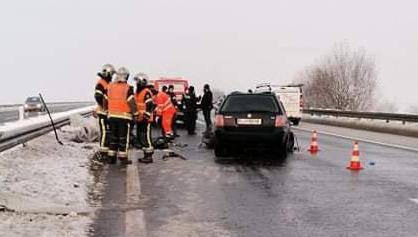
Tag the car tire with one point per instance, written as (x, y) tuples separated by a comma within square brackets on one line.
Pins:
[(281, 151), (296, 121), (219, 149), (291, 142)]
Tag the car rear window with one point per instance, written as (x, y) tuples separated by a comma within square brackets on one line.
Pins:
[(250, 103), (33, 99)]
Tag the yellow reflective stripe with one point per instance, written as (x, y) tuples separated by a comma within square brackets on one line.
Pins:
[(122, 154), (99, 92), (149, 100), (111, 153), (122, 116), (127, 139), (130, 97), (102, 144), (149, 135), (147, 113)]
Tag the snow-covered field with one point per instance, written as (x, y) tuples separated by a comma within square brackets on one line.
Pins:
[(45, 187)]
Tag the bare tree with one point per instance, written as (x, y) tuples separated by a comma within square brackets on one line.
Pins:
[(344, 80)]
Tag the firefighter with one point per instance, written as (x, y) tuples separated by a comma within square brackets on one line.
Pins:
[(121, 110), (100, 95), (166, 111), (145, 108), (190, 110)]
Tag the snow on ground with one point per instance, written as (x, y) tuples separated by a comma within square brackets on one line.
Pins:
[(45, 175)]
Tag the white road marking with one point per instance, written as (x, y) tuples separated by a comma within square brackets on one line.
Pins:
[(361, 139), (134, 219), (414, 200)]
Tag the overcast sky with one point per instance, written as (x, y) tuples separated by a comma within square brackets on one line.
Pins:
[(57, 46)]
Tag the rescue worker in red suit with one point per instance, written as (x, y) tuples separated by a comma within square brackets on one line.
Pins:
[(145, 107), (173, 97), (100, 95), (121, 110), (166, 110)]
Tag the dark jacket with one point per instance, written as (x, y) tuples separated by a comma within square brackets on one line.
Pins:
[(190, 102), (207, 101)]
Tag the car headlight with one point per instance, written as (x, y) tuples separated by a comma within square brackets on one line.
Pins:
[(38, 106), (25, 106)]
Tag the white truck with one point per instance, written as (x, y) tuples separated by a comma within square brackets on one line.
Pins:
[(290, 95)]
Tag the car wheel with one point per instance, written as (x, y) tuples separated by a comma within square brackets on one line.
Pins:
[(281, 150), (220, 150), (296, 122), (291, 142)]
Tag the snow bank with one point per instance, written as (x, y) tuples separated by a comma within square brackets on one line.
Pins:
[(21, 126), (393, 127), (44, 177)]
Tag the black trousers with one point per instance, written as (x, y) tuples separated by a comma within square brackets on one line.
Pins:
[(206, 115), (190, 120), (174, 126), (144, 134), (119, 137), (104, 133)]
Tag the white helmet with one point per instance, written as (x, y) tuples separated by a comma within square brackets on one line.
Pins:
[(107, 71), (122, 74)]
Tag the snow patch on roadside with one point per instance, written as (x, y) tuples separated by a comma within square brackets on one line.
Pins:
[(58, 175)]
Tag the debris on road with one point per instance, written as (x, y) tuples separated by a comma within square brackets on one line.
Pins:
[(86, 129)]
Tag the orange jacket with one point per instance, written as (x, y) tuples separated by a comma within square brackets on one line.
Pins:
[(141, 103), (117, 96), (163, 102), (102, 93)]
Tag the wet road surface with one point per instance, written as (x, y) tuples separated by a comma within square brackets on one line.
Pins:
[(253, 195)]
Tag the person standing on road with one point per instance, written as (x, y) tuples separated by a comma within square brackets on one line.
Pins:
[(207, 105), (100, 95), (190, 110), (166, 110), (173, 98), (145, 107), (122, 109)]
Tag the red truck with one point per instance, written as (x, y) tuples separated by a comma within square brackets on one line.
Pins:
[(180, 85)]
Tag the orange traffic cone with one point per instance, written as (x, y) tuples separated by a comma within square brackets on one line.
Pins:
[(314, 148), (355, 163)]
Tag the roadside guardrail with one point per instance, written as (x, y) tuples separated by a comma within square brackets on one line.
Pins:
[(19, 132), (365, 115)]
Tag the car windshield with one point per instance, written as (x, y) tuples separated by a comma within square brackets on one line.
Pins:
[(250, 103), (33, 99)]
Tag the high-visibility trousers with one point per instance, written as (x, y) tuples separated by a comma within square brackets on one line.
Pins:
[(144, 135), (167, 122), (104, 133), (119, 137)]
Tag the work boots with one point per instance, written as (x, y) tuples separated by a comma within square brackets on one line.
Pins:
[(111, 160), (125, 161), (147, 159)]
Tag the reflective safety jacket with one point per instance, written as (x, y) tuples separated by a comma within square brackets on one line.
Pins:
[(145, 104), (100, 94), (163, 102), (120, 98)]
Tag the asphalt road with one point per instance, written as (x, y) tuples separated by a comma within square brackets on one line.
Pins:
[(12, 114), (253, 195)]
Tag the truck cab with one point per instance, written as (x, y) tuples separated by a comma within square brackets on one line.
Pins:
[(290, 95), (180, 85)]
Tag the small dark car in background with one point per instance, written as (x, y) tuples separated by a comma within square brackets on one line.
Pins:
[(252, 121), (33, 104)]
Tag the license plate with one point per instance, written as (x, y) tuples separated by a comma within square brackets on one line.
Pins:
[(249, 121)]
